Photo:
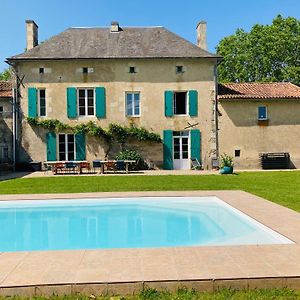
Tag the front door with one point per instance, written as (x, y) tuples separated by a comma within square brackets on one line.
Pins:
[(181, 147)]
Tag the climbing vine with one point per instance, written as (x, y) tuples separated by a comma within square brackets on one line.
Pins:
[(114, 131)]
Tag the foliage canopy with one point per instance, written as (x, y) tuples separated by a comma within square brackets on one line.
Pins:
[(267, 53)]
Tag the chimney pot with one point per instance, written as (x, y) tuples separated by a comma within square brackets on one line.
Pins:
[(201, 35), (115, 27), (31, 34)]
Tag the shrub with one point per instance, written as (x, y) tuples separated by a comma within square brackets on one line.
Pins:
[(131, 154)]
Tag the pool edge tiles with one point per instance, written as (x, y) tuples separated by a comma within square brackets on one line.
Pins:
[(145, 222)]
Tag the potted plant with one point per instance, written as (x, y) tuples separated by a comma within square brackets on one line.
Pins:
[(226, 165)]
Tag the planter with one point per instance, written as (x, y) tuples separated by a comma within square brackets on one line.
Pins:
[(226, 170)]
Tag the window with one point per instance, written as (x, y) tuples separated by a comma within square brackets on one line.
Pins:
[(4, 154), (132, 70), (42, 102), (1, 110), (262, 113), (180, 103), (41, 70), (66, 147), (237, 153), (85, 70), (86, 102), (179, 69), (132, 104)]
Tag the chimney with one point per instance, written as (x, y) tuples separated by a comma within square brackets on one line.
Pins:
[(114, 27), (201, 35), (31, 34)]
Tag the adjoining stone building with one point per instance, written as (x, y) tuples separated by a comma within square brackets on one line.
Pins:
[(259, 118), (6, 125), (148, 76)]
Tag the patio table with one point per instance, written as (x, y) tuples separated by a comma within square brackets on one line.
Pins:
[(62, 165)]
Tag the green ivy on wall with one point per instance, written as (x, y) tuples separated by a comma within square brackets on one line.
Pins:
[(115, 132)]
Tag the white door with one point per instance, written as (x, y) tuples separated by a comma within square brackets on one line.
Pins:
[(181, 159)]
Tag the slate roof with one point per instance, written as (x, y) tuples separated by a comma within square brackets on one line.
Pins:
[(5, 89), (254, 90), (101, 43)]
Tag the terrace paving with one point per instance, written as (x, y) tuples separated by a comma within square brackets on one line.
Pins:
[(125, 271)]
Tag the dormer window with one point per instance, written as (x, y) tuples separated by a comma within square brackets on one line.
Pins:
[(132, 70), (179, 70)]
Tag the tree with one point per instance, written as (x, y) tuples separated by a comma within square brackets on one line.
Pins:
[(267, 53), (5, 75)]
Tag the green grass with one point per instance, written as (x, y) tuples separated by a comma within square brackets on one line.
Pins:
[(184, 294), (279, 187)]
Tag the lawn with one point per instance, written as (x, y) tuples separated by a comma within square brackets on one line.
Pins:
[(184, 294), (280, 187)]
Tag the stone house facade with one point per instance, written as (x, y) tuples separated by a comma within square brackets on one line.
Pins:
[(148, 77), (258, 118), (6, 124)]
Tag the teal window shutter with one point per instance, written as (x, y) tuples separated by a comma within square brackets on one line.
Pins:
[(100, 102), (80, 146), (32, 102), (168, 149), (193, 103), (168, 103), (72, 102), (51, 146), (196, 144)]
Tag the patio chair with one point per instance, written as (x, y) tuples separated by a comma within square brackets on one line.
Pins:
[(84, 165), (110, 166), (70, 166), (195, 164), (120, 165), (58, 167), (96, 164)]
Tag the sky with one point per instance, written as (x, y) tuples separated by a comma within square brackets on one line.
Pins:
[(223, 17)]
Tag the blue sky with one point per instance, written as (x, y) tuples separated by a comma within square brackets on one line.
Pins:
[(53, 16)]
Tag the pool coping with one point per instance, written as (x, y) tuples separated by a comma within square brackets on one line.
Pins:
[(126, 271)]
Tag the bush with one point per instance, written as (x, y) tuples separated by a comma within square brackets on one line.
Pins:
[(226, 161), (131, 154)]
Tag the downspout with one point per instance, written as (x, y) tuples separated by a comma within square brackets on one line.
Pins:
[(216, 119)]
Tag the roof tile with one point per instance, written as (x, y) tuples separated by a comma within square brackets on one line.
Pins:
[(255, 90), (5, 89)]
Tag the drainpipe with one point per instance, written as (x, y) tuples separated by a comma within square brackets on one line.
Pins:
[(216, 109)]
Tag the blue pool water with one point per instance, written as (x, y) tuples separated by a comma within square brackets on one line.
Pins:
[(127, 223)]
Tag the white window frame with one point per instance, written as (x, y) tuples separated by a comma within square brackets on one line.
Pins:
[(266, 117), (186, 103), (39, 102), (86, 102), (134, 115), (66, 146)]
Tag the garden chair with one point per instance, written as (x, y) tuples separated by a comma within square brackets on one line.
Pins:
[(110, 166), (96, 164), (70, 166), (84, 165), (195, 164), (120, 165)]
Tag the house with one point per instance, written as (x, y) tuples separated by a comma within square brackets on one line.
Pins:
[(6, 125), (143, 77), (258, 118)]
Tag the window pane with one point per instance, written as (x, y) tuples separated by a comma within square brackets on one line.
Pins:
[(176, 155), (82, 111), (42, 93), (61, 138), (180, 103), (42, 111), (71, 155), (129, 104), (81, 93), (90, 102), (62, 156), (91, 111), (91, 94), (262, 112), (185, 154), (81, 101), (70, 138), (137, 107)]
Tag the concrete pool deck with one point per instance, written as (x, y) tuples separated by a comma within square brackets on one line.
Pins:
[(125, 271)]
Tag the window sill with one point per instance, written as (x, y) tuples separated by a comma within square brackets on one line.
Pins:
[(137, 116), (264, 122)]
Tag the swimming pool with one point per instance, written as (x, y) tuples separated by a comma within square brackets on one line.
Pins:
[(127, 223)]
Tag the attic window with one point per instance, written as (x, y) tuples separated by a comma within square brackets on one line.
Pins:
[(41, 70), (179, 70), (237, 153), (132, 70), (85, 70)]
